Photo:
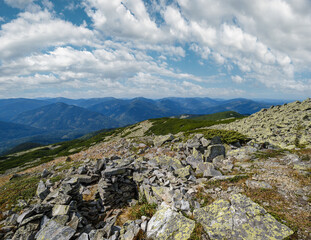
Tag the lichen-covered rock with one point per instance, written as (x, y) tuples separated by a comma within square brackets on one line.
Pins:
[(130, 230), (60, 210), (168, 224), (283, 126), (207, 169), (214, 151), (42, 190), (160, 140), (183, 172), (239, 218), (55, 231)]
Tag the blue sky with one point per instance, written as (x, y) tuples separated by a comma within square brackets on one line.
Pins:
[(155, 48)]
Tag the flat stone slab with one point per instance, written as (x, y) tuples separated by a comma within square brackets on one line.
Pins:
[(239, 218), (55, 231), (167, 224)]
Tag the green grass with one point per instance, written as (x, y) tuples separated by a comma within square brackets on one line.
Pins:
[(46, 154), (197, 232), (163, 126), (18, 188), (219, 116), (227, 136), (269, 154)]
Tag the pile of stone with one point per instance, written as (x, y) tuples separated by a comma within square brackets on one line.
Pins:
[(85, 205)]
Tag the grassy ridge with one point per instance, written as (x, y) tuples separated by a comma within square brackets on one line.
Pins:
[(218, 116), (163, 126), (48, 153)]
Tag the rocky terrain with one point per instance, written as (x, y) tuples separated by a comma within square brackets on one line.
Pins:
[(285, 126), (134, 186)]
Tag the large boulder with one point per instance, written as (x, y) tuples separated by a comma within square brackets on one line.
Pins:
[(55, 231), (214, 151), (160, 140), (42, 190), (239, 218), (168, 224), (207, 169)]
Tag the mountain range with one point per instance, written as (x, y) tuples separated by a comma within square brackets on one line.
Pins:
[(51, 120)]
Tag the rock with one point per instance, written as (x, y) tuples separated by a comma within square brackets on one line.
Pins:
[(26, 232), (83, 236), (130, 230), (216, 140), (193, 162), (114, 171), (100, 165), (30, 219), (168, 224), (183, 172), (78, 178), (81, 170), (160, 140), (42, 190), (25, 214), (257, 184), (208, 170), (45, 173), (205, 143), (193, 143), (163, 194), (214, 151), (60, 210), (239, 218), (55, 231)]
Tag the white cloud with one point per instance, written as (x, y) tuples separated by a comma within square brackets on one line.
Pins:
[(21, 4), (33, 32), (123, 19), (268, 51), (237, 79)]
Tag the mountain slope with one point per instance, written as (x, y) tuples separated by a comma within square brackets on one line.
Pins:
[(240, 105), (287, 126), (130, 111), (10, 108), (60, 116), (12, 131)]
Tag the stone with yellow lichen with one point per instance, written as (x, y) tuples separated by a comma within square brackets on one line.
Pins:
[(166, 161), (183, 172), (239, 218), (167, 224)]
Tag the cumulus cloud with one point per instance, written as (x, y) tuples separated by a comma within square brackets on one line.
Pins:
[(237, 79), (32, 32), (132, 44), (21, 4)]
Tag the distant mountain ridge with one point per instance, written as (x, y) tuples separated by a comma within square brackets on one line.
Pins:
[(61, 116), (50, 120)]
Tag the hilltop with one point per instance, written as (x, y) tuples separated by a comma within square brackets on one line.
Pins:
[(163, 178), (286, 126)]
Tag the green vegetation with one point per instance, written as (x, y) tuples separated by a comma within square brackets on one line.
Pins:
[(197, 232), (143, 209), (23, 147), (269, 153), (227, 136), (163, 126), (23, 187), (218, 116), (203, 197), (48, 153)]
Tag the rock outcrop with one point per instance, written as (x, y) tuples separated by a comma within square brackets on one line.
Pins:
[(285, 126)]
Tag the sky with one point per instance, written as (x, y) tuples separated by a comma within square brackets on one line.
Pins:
[(155, 48)]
